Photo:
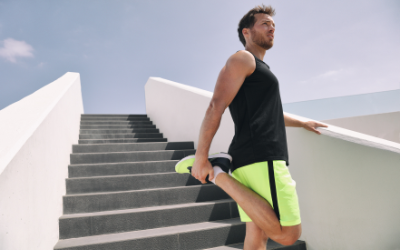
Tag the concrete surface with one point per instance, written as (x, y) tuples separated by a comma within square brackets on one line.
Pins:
[(36, 134), (385, 126)]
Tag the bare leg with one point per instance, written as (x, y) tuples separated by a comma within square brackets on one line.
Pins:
[(259, 210), (255, 239)]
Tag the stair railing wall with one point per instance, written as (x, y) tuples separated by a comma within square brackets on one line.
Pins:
[(347, 182), (180, 109), (37, 134), (385, 126)]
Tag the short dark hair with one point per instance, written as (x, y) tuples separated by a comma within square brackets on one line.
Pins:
[(249, 19)]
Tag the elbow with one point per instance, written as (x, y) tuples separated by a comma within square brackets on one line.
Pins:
[(216, 107)]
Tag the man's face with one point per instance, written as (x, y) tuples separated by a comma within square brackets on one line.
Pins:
[(263, 31)]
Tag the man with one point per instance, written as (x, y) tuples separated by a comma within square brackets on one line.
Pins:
[(261, 183)]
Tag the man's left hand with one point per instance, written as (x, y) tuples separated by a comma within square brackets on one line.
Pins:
[(312, 125)]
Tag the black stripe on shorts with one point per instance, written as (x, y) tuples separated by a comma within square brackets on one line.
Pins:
[(273, 188)]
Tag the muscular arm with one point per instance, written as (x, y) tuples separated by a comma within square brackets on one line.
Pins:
[(230, 79), (290, 121)]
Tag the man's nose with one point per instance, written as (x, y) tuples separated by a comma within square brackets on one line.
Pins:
[(272, 29)]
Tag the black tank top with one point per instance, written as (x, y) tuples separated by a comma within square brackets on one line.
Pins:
[(257, 112)]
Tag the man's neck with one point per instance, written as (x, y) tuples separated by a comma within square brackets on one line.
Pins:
[(256, 51)]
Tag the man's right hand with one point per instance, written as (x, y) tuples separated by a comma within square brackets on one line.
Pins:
[(201, 168)]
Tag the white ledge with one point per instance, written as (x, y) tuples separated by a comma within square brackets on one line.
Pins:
[(355, 137), (358, 138)]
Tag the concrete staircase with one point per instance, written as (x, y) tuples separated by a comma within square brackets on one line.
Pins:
[(123, 193)]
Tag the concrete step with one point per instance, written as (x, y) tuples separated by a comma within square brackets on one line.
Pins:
[(89, 224), (271, 245), (113, 115), (191, 236), (85, 118), (104, 169), (118, 131), (126, 147), (114, 183), (129, 156), (96, 202), (117, 126), (115, 123), (121, 136), (136, 140)]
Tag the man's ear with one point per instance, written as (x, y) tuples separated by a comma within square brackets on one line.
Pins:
[(246, 33)]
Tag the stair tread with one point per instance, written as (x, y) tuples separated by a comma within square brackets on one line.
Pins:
[(272, 245), (125, 133), (155, 232), (106, 125), (130, 152), (118, 163), (113, 121), (121, 118), (113, 127), (94, 129), (127, 139), (127, 147), (104, 169), (120, 176), (121, 134), (144, 209), (118, 131), (110, 141), (132, 143), (131, 191), (114, 115)]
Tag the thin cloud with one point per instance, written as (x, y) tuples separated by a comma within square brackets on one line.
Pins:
[(345, 81), (11, 49), (329, 75)]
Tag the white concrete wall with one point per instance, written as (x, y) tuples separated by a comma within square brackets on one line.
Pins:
[(37, 134), (178, 111), (385, 126), (347, 182), (348, 192)]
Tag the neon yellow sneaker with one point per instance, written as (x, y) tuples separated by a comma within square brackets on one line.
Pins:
[(223, 160)]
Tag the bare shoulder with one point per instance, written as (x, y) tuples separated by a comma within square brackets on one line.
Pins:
[(243, 61), (239, 66)]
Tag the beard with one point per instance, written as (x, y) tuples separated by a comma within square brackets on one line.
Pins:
[(258, 39)]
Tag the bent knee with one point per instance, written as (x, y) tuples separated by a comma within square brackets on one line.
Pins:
[(290, 237), (288, 241)]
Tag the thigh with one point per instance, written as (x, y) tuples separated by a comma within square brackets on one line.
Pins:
[(286, 196), (272, 181), (255, 177)]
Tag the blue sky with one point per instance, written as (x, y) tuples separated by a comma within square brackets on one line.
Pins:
[(322, 48)]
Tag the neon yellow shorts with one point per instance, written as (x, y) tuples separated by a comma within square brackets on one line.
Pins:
[(272, 181)]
